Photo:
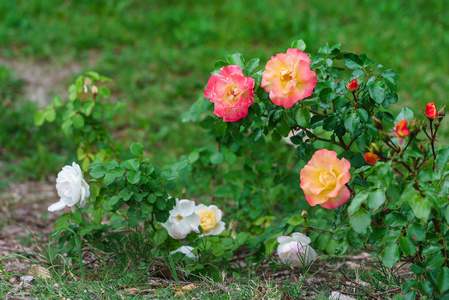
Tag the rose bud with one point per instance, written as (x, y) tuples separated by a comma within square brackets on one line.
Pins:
[(402, 129), (353, 85), (431, 111), (377, 123), (421, 147), (371, 158), (441, 113), (374, 148)]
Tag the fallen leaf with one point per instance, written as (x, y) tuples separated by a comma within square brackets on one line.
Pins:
[(38, 271), (185, 290)]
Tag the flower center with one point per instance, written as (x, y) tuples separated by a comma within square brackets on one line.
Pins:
[(208, 218), (286, 75), (233, 94), (179, 217), (327, 180)]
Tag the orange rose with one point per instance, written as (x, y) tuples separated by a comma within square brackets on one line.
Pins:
[(402, 129), (324, 179), (371, 158)]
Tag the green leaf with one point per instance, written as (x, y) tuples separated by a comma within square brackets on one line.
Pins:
[(126, 194), (193, 157), (160, 236), (275, 136), (236, 59), (39, 117), (442, 157), (98, 171), (355, 204), (434, 261), (360, 221), (208, 122), (299, 44), (97, 215), (376, 198), (353, 61), (352, 123), (104, 92), (443, 280), (418, 268), (407, 245), (216, 158), (78, 121), (405, 114), (421, 207), (303, 117), (251, 65), (136, 149), (395, 219), (112, 174), (51, 115), (425, 287), (283, 127), (391, 74), (57, 101), (220, 128), (295, 220), (76, 217), (62, 222), (132, 164), (133, 177), (416, 232), (113, 200), (390, 255), (377, 92), (327, 95)]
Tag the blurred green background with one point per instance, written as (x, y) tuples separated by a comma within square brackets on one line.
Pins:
[(160, 55)]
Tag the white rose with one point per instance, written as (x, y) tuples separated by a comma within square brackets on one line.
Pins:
[(210, 219), (182, 219), (71, 187), (187, 251), (295, 250)]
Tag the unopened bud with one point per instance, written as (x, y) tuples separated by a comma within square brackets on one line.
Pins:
[(94, 89), (377, 123), (437, 124), (421, 147), (431, 111), (353, 85), (441, 113), (374, 148), (371, 158), (232, 225), (304, 214)]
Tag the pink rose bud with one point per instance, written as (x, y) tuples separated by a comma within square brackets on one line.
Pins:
[(324, 179), (371, 158), (231, 92), (402, 129), (288, 78)]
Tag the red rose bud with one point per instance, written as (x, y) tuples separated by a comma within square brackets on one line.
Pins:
[(371, 158), (402, 129), (431, 111), (421, 147), (353, 85)]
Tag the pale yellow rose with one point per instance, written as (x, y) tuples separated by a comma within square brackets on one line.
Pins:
[(210, 217)]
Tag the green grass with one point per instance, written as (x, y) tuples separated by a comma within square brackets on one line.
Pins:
[(160, 53)]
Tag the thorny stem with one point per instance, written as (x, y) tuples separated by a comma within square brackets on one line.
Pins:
[(316, 228), (341, 144)]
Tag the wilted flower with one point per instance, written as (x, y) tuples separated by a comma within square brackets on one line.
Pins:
[(295, 250), (288, 78), (231, 92), (353, 85), (187, 251), (182, 219), (324, 179), (210, 219), (431, 111), (71, 187), (402, 129), (371, 158)]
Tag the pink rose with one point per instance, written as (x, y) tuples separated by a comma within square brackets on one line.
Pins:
[(231, 92), (288, 78), (323, 180)]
